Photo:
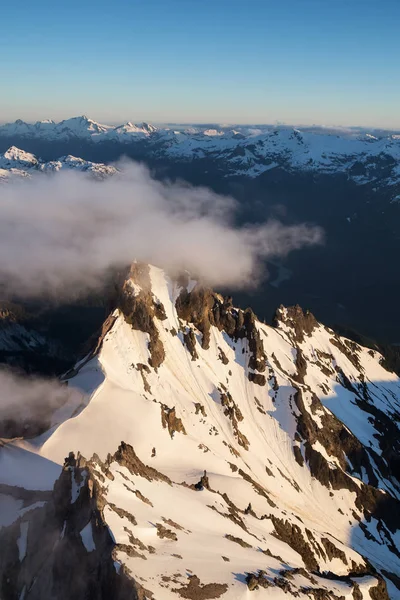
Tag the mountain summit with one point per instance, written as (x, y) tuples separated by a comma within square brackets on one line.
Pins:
[(210, 456), (362, 157)]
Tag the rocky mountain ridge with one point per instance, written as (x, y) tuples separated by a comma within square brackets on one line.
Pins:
[(364, 158), (211, 456)]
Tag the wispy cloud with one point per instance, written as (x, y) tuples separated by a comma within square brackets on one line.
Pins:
[(60, 234), (28, 403)]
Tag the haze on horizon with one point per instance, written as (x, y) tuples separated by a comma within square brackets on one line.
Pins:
[(308, 62)]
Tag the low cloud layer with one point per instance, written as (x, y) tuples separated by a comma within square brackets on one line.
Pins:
[(60, 234), (29, 403)]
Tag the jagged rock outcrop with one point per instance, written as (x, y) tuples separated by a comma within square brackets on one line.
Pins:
[(300, 323), (140, 310), (204, 309), (64, 550)]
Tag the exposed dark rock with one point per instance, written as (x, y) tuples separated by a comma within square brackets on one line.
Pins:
[(143, 369), (332, 551), (269, 472), (257, 378), (203, 483), (157, 352), (200, 409), (137, 543), (131, 551), (140, 310), (298, 455), (289, 574), (231, 408), (257, 487), (249, 510), (255, 581), (159, 310), (56, 562), (323, 359), (238, 540), (357, 594), (301, 366), (123, 513), (292, 535), (190, 340), (139, 495), (195, 307), (126, 457), (222, 356), (233, 512), (284, 585), (204, 309), (95, 342), (194, 590), (257, 360), (259, 406), (320, 594), (268, 552), (388, 438), (339, 442), (163, 532), (379, 592), (234, 414), (232, 450), (171, 421), (301, 322), (172, 523), (349, 349)]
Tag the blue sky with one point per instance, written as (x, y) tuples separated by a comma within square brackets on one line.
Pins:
[(333, 62)]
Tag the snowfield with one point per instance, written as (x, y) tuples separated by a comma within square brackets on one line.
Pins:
[(214, 457)]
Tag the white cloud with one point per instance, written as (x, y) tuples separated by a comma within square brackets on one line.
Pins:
[(60, 234)]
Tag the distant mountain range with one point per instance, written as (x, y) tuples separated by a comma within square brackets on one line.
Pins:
[(362, 157)]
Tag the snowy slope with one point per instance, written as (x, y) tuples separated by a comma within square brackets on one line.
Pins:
[(16, 163), (364, 157), (223, 458), (126, 133)]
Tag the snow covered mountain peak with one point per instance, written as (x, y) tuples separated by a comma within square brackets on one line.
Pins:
[(128, 132), (17, 158), (211, 456), (148, 127), (80, 126), (248, 152), (16, 163)]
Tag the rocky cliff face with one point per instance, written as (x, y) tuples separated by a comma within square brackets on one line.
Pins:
[(223, 459), (63, 549)]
